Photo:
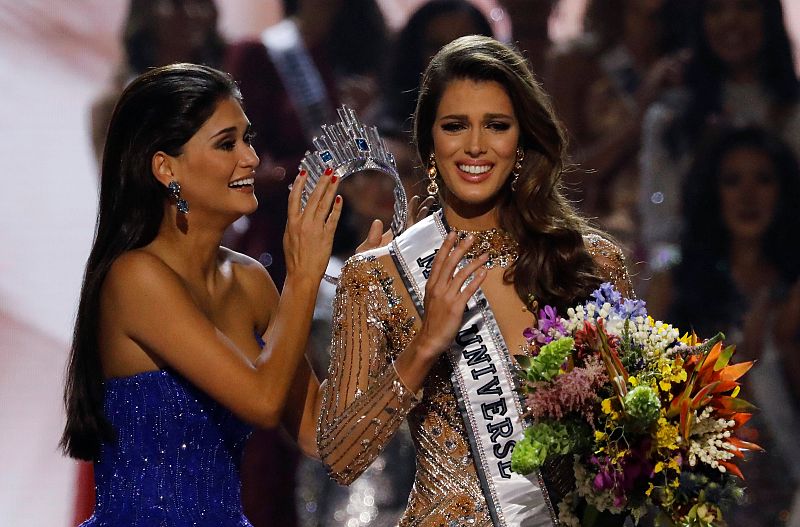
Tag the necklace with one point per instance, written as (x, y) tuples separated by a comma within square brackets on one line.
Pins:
[(497, 243)]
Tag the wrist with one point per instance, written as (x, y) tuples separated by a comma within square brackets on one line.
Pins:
[(298, 282), (423, 351)]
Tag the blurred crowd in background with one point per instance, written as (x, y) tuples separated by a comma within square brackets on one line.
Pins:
[(684, 124)]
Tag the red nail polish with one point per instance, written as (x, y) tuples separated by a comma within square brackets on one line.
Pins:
[(328, 171), (334, 178), (338, 199), (302, 173)]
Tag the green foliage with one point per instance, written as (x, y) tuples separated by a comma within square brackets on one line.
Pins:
[(547, 364), (542, 440), (642, 406)]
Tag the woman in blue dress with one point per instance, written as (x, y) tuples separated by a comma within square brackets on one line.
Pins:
[(181, 345)]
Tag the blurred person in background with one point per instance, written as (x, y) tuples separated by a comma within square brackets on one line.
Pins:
[(740, 273), (431, 26), (156, 33), (530, 30), (740, 72), (602, 83), (291, 77)]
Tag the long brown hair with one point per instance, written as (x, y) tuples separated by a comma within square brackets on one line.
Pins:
[(554, 266)]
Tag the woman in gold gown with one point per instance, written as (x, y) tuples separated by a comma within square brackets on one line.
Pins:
[(495, 154)]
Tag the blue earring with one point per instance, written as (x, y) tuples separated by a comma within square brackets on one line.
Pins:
[(175, 191)]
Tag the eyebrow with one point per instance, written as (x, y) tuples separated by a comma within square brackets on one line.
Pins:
[(224, 131), (485, 116), (230, 129)]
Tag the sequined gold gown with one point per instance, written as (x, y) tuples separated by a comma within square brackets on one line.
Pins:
[(365, 402)]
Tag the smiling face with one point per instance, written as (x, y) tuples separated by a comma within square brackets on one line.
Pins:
[(748, 190), (475, 137), (216, 168)]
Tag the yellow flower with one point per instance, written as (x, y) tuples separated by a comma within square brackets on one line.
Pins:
[(633, 381), (666, 434), (606, 406)]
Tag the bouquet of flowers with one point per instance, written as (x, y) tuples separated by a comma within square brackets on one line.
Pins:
[(642, 417)]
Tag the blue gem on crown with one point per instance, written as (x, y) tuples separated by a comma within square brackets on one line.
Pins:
[(348, 147)]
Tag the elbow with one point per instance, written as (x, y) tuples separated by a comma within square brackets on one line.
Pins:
[(342, 473), (343, 477)]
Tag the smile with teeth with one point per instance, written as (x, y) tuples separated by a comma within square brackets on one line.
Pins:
[(242, 182), (475, 169)]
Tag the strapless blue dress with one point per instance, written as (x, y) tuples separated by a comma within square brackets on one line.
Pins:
[(176, 459)]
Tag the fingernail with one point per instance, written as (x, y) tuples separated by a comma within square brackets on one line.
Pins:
[(328, 171), (338, 199), (302, 173), (334, 178)]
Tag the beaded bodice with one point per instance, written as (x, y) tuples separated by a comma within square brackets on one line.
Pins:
[(176, 458), (364, 401)]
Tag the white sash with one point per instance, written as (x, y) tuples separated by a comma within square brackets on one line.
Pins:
[(483, 385), (299, 75)]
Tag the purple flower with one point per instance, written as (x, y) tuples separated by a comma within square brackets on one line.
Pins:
[(528, 334), (549, 319), (633, 308), (607, 293)]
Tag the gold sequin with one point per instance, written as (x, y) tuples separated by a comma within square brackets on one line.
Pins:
[(498, 244)]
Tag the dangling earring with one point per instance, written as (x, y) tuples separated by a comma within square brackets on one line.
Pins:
[(175, 191), (515, 172), (433, 187)]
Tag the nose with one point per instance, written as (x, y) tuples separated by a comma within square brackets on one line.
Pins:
[(250, 159), (475, 145)]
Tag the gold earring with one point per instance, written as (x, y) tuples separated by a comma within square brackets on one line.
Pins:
[(515, 172), (433, 187)]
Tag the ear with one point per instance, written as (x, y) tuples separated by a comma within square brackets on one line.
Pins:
[(161, 166)]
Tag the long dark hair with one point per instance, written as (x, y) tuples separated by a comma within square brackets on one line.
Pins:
[(705, 293), (159, 111), (408, 59), (553, 265), (706, 72)]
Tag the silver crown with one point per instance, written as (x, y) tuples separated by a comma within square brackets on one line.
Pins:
[(348, 147)]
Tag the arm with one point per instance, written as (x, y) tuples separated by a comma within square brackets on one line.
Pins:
[(377, 362), (610, 264), (155, 310), (302, 411), (364, 400)]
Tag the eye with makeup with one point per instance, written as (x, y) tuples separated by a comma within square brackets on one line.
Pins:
[(498, 126), (228, 143), (453, 126)]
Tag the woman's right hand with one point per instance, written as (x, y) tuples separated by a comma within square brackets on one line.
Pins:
[(446, 295), (308, 239)]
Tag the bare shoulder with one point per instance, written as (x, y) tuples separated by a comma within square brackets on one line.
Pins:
[(252, 278), (610, 262), (248, 269), (140, 269)]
